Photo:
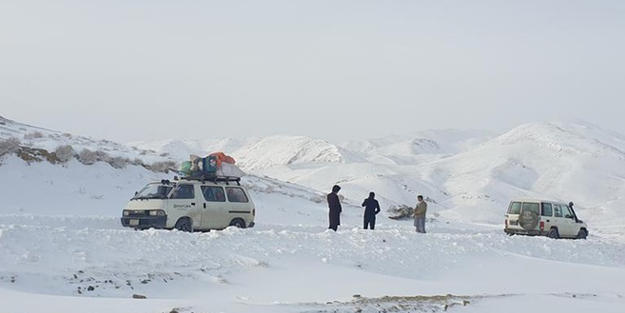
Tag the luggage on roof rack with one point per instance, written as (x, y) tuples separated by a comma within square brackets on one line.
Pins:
[(216, 164)]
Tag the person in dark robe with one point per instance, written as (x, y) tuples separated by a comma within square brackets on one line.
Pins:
[(372, 207), (335, 208)]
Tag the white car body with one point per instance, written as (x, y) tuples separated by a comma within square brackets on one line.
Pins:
[(543, 218)]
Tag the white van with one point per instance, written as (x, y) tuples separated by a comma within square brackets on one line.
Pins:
[(190, 205), (544, 218)]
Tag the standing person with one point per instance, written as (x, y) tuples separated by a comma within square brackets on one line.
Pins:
[(372, 207), (419, 214), (335, 208)]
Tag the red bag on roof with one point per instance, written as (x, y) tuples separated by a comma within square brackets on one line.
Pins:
[(222, 157)]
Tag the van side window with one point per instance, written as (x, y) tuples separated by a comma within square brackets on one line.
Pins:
[(547, 210), (213, 194), (558, 210), (515, 208), (236, 194), (183, 192), (530, 206)]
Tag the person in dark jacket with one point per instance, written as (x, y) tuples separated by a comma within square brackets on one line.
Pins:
[(372, 207), (335, 208)]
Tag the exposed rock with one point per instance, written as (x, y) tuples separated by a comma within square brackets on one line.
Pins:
[(401, 211), (138, 296)]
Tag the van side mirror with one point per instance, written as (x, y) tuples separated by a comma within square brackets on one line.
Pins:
[(136, 193)]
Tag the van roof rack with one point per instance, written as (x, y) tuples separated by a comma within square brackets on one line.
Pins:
[(214, 179)]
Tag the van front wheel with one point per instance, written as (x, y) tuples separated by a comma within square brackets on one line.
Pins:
[(184, 224), (582, 234)]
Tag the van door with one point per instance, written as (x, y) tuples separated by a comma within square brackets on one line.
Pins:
[(214, 208), (182, 202), (240, 205)]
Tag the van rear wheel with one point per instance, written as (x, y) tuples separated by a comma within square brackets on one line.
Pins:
[(553, 233), (582, 234), (238, 223), (184, 224)]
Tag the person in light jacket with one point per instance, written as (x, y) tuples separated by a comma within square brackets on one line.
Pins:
[(372, 207), (335, 208), (419, 214)]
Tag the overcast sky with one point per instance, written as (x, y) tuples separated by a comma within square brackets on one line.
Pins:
[(141, 70)]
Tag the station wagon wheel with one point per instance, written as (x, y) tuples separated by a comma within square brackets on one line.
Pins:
[(553, 233), (582, 234), (184, 224), (238, 223)]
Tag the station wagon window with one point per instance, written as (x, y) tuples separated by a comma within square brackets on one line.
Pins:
[(531, 207), (547, 210), (515, 208), (236, 194), (214, 194), (557, 211), (183, 192)]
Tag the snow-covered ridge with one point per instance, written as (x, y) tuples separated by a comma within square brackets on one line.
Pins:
[(42, 143), (557, 138)]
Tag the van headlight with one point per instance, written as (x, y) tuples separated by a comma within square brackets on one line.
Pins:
[(126, 213), (157, 213)]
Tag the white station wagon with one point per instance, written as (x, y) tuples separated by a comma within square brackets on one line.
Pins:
[(190, 205), (544, 218)]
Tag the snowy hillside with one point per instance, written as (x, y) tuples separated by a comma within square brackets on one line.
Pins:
[(49, 140), (462, 172), (535, 160), (64, 249)]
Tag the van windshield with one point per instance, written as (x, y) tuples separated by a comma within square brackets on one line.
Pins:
[(154, 191)]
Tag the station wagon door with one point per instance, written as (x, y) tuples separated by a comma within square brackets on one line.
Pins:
[(570, 227)]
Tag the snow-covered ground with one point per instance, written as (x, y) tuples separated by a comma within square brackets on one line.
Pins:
[(62, 247)]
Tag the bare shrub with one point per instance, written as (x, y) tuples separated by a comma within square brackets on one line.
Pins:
[(103, 156), (34, 135), (138, 162), (64, 153), (8, 146), (162, 167), (87, 157), (119, 162)]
